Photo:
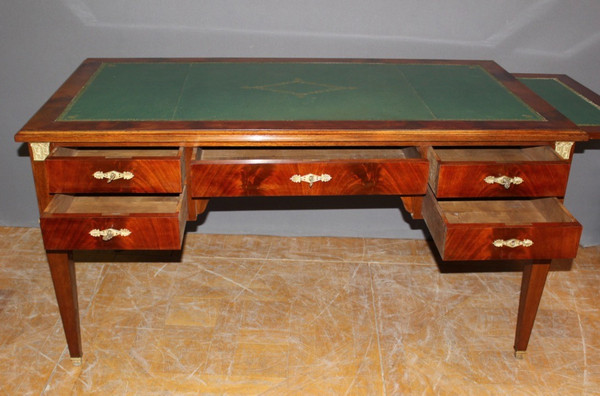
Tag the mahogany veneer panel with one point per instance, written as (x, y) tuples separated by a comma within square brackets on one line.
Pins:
[(456, 173), (155, 223), (268, 173), (466, 230), (155, 171)]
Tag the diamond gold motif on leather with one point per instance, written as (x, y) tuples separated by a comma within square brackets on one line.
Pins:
[(113, 175), (300, 88), (109, 233), (506, 181), (311, 178), (513, 243)]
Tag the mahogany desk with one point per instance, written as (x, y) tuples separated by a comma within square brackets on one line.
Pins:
[(128, 150)]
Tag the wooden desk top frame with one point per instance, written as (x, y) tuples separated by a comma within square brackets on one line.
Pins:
[(44, 127)]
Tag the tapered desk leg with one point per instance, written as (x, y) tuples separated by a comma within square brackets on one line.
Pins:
[(532, 286), (62, 269)]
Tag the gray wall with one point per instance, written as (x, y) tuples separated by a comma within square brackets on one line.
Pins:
[(41, 42)]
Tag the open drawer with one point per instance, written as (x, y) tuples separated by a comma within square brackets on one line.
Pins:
[(497, 172), (107, 170), (114, 222), (281, 172), (506, 229)]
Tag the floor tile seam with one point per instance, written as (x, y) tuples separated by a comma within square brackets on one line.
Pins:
[(170, 293), (54, 371), (400, 263), (568, 378), (340, 261), (317, 259), (335, 297), (249, 284), (377, 333), (269, 249), (19, 232), (289, 342), (8, 250), (57, 324), (363, 254), (359, 369), (583, 341), (118, 326), (349, 260), (95, 291), (29, 251), (310, 260)]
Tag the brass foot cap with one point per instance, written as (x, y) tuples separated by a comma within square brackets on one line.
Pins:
[(76, 361), (520, 354)]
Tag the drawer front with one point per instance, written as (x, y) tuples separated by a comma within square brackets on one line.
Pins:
[(365, 177), (492, 180), (114, 175), (458, 179), (146, 231), (482, 239), (476, 242)]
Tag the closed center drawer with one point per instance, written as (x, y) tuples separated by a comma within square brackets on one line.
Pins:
[(499, 172), (505, 229), (281, 172), (107, 170), (114, 222)]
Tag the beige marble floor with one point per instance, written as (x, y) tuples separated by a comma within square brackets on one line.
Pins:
[(299, 316)]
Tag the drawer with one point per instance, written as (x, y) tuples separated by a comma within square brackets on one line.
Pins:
[(281, 172), (498, 172), (504, 229), (114, 170), (114, 222)]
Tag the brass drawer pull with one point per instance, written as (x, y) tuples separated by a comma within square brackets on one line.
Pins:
[(513, 243), (310, 178), (506, 181), (110, 233), (113, 175)]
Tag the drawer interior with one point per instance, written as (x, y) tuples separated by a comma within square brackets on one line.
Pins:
[(500, 155), (115, 152), (511, 212), (113, 205), (307, 154)]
